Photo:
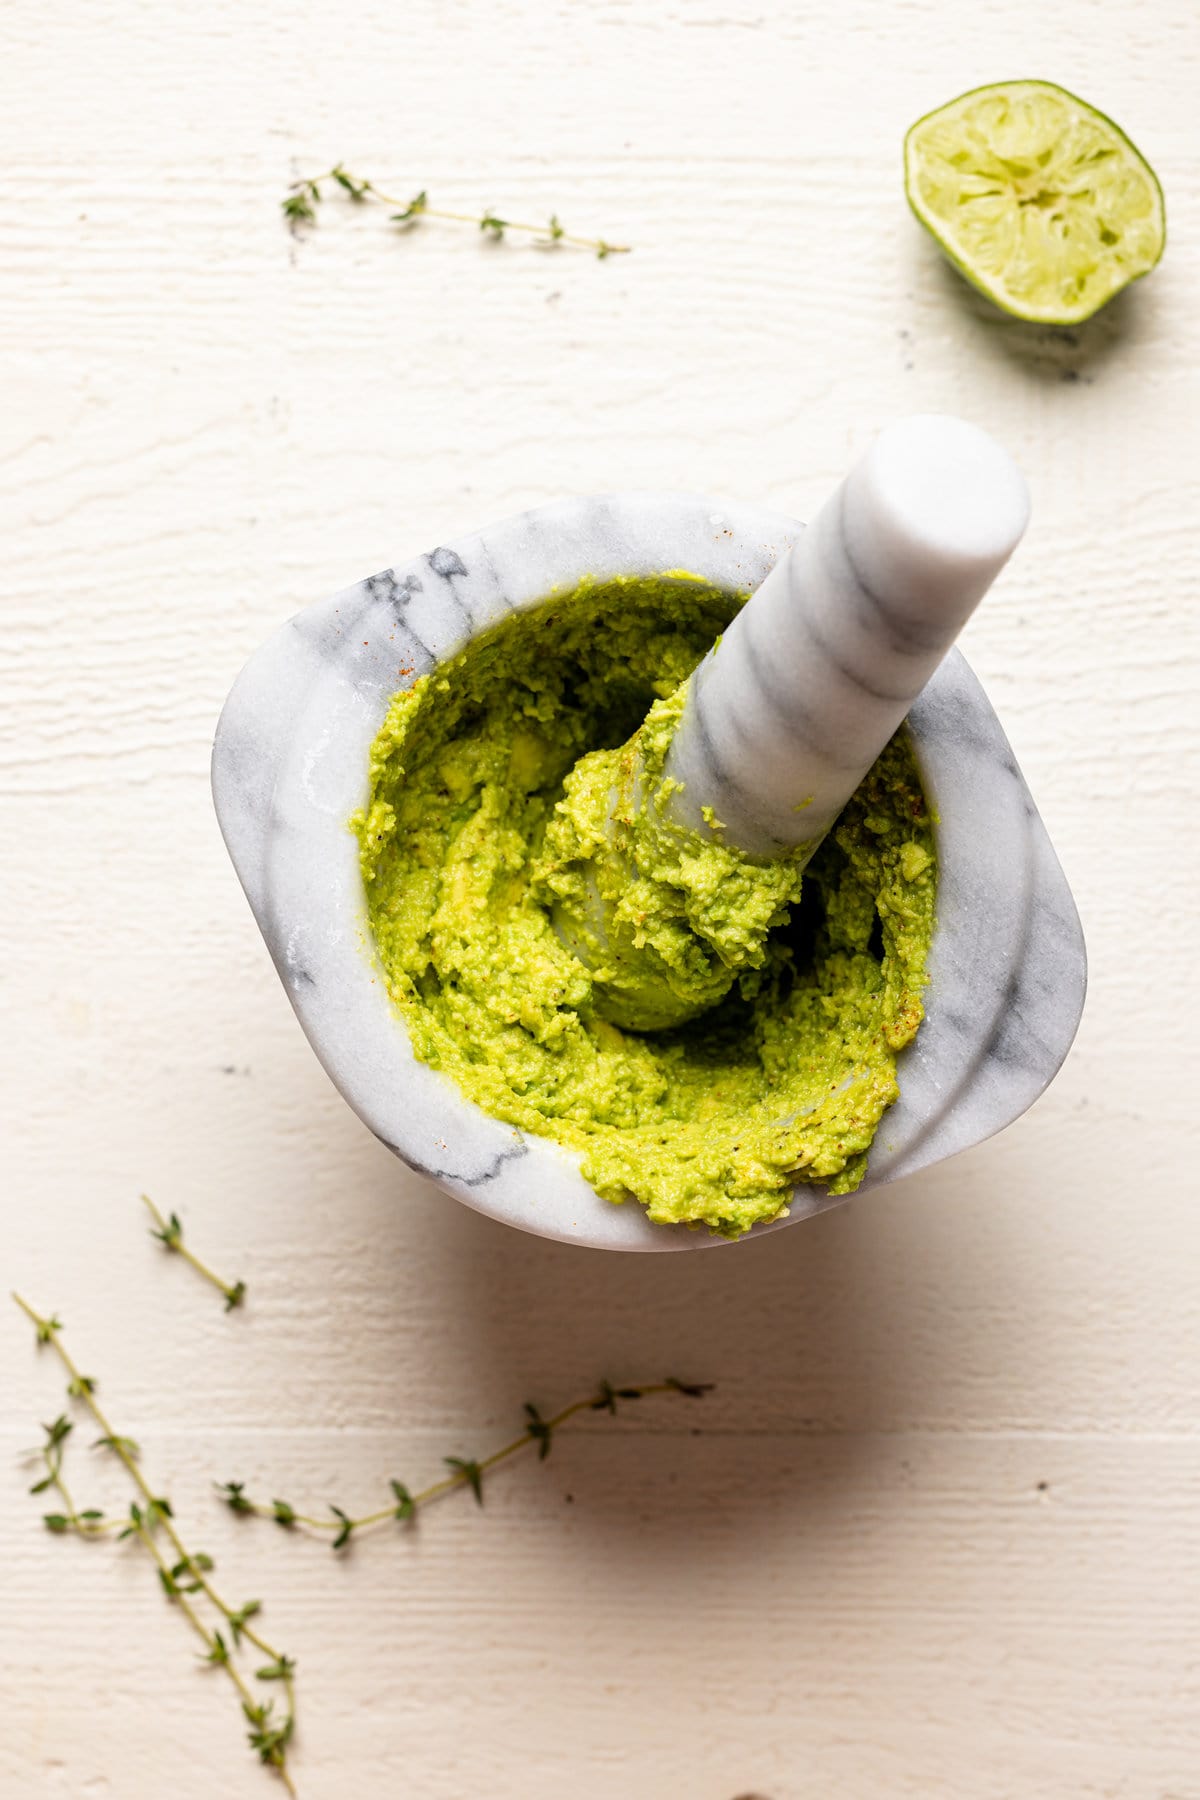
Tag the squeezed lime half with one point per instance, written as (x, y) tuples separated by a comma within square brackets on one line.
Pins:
[(1038, 199)]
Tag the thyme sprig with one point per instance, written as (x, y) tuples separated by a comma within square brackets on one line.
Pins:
[(300, 204), (89, 1523), (169, 1234), (465, 1472), (183, 1574)]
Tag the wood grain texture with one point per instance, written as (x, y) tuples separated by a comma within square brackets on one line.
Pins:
[(939, 1532)]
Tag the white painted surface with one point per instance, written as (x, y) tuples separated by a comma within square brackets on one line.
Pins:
[(853, 1583)]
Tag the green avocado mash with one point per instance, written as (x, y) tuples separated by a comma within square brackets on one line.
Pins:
[(665, 919), (470, 839)]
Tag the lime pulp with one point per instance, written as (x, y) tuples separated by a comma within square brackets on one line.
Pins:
[(1038, 199)]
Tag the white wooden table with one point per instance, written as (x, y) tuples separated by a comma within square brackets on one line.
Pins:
[(938, 1532)]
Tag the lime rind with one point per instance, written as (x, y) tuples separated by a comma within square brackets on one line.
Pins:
[(1038, 199)]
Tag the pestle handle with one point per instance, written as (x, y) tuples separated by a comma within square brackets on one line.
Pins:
[(787, 713)]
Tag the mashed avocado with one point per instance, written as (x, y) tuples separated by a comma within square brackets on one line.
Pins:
[(665, 919), (470, 839)]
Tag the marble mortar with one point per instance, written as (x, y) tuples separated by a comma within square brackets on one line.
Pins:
[(1007, 968)]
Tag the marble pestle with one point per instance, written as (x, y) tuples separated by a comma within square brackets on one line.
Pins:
[(784, 718), (796, 700)]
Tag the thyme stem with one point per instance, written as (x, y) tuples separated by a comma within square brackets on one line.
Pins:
[(75, 1520), (170, 1235), (213, 1644), (270, 1741), (303, 196), (466, 1473)]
